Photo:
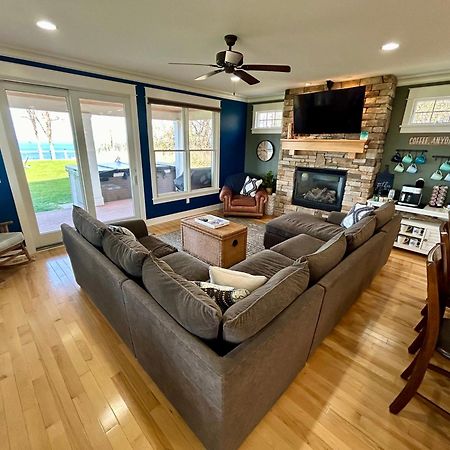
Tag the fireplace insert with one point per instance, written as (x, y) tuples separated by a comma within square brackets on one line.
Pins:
[(319, 188)]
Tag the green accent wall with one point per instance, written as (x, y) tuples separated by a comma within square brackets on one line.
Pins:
[(396, 140), (253, 164)]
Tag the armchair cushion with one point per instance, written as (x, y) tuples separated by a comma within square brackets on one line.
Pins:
[(9, 240), (242, 200)]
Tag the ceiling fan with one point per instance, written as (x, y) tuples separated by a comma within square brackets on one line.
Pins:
[(230, 61)]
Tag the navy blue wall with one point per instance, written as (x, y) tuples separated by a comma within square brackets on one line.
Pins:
[(232, 147), (7, 206)]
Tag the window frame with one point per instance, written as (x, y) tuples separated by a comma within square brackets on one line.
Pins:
[(266, 107), (420, 94), (185, 102)]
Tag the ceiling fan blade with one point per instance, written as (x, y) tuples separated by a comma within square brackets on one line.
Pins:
[(266, 67), (193, 64), (209, 74), (244, 76)]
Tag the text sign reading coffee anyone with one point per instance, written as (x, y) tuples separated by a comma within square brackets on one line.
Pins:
[(429, 140)]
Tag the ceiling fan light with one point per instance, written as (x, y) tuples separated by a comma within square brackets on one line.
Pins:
[(235, 78)]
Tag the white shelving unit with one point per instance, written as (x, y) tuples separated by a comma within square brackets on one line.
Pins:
[(419, 229)]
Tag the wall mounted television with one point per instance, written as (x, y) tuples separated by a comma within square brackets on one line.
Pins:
[(334, 111)]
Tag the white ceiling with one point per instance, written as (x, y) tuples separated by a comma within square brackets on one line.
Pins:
[(320, 39)]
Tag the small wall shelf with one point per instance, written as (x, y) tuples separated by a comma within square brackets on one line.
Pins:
[(323, 145)]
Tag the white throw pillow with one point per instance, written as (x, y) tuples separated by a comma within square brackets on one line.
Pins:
[(358, 212), (238, 280), (251, 186)]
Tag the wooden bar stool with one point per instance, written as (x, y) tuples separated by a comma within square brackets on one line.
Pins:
[(435, 333)]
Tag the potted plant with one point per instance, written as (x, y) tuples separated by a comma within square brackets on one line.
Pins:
[(269, 182)]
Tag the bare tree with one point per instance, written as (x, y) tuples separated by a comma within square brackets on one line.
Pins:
[(32, 117), (46, 125)]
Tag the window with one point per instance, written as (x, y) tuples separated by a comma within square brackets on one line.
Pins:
[(427, 110), (267, 118), (184, 149)]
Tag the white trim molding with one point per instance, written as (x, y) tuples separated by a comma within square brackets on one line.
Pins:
[(177, 97)]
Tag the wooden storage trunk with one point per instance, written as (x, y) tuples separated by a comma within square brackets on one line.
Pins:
[(221, 247)]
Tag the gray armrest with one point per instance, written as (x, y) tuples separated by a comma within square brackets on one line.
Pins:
[(336, 217), (137, 226)]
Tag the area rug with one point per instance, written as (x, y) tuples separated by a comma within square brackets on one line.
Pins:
[(255, 236)]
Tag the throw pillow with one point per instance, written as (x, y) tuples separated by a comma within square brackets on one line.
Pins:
[(224, 296), (384, 214), (116, 229), (327, 257), (360, 233), (89, 227), (358, 212), (251, 186), (238, 280)]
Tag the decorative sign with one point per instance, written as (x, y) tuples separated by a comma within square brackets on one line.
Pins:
[(429, 140)]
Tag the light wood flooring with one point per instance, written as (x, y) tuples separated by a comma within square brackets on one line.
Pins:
[(67, 381)]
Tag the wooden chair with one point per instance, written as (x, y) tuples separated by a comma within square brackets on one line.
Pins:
[(434, 332), (445, 240), (12, 247)]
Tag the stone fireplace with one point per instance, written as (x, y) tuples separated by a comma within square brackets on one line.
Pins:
[(359, 160), (319, 188)]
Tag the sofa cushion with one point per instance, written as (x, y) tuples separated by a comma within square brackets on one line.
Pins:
[(384, 214), (242, 200), (158, 247), (89, 227), (359, 233), (328, 256), (249, 315), (192, 308), (293, 224), (236, 279), (298, 246), (124, 251), (187, 266), (266, 263)]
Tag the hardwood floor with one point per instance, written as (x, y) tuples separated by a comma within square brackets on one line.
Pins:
[(67, 381)]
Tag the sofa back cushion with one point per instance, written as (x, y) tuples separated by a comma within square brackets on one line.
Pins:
[(249, 315), (328, 256), (359, 233), (192, 308), (89, 227), (384, 214), (125, 251)]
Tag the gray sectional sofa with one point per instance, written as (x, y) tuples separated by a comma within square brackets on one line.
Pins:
[(224, 371)]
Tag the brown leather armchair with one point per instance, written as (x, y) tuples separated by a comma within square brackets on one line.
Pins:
[(235, 204)]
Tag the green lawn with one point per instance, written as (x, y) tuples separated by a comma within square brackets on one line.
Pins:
[(49, 183)]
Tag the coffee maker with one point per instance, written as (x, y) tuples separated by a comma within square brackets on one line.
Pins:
[(410, 196)]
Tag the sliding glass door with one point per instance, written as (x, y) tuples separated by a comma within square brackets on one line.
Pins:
[(70, 147)]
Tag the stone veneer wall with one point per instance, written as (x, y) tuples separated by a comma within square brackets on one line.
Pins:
[(363, 168)]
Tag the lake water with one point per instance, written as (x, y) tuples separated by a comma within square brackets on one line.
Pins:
[(29, 150)]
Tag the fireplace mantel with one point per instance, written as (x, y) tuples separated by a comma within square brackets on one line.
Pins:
[(351, 146)]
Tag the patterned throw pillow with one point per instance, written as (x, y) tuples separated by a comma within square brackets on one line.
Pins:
[(224, 296), (251, 186), (116, 229), (358, 212)]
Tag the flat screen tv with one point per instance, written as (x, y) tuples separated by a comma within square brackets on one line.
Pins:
[(337, 111)]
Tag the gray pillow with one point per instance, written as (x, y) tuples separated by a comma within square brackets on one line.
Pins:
[(89, 227), (249, 315), (359, 233), (125, 251), (192, 308), (326, 257), (384, 214)]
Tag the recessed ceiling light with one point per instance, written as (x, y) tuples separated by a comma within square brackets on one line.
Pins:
[(235, 78), (46, 25), (389, 46), (307, 84)]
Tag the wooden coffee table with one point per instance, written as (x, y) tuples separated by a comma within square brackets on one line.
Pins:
[(221, 247)]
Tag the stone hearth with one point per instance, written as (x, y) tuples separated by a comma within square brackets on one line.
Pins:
[(361, 168)]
